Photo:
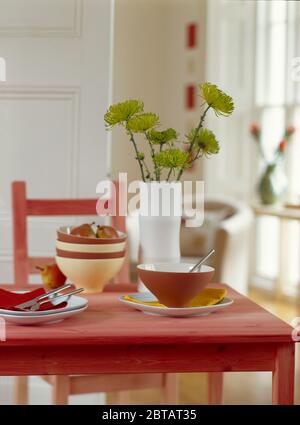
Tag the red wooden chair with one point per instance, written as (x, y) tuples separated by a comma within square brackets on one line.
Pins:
[(24, 265)]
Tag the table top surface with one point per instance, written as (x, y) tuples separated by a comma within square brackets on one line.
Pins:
[(108, 321)]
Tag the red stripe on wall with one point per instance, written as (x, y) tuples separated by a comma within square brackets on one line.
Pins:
[(191, 35), (190, 96)]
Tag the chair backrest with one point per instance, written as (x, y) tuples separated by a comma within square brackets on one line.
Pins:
[(22, 207)]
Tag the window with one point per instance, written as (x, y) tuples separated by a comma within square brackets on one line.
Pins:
[(277, 103)]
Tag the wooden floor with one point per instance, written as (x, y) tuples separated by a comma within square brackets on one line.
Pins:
[(240, 388)]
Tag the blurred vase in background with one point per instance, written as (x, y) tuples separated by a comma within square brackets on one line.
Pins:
[(272, 185)]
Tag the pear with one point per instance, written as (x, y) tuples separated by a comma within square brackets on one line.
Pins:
[(85, 230), (106, 232), (52, 276)]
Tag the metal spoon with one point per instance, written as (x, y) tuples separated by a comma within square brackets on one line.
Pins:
[(198, 265)]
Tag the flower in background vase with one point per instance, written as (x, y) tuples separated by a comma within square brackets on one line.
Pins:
[(255, 129), (282, 145), (273, 182), (290, 130)]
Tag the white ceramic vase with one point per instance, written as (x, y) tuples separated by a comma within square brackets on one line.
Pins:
[(159, 222)]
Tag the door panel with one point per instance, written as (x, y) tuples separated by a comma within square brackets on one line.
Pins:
[(52, 104)]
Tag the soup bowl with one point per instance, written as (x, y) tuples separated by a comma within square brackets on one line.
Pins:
[(172, 283)]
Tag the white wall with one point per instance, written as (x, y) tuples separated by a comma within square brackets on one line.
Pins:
[(151, 63)]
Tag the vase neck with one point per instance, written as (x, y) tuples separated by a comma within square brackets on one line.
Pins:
[(271, 167)]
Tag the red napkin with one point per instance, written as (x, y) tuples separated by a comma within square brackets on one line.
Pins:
[(8, 300)]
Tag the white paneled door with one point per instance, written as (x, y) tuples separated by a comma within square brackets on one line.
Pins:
[(57, 87)]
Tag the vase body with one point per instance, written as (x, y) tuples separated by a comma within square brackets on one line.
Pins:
[(159, 221), (272, 185)]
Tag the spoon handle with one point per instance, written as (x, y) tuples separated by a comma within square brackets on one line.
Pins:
[(197, 265)]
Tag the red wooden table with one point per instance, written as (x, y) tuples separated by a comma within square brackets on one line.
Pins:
[(109, 337)]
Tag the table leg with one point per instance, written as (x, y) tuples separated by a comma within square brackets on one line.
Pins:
[(170, 388), (20, 390), (284, 374), (120, 397), (61, 389), (215, 387)]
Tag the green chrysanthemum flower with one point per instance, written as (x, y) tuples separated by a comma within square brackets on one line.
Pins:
[(143, 122), (162, 137), (172, 158), (205, 140), (122, 112), (221, 102)]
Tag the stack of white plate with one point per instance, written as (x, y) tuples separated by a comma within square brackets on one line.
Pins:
[(75, 305)]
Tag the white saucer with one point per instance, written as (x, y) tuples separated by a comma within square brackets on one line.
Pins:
[(52, 316), (172, 312), (74, 303)]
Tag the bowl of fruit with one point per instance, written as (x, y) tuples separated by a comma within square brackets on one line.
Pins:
[(89, 255)]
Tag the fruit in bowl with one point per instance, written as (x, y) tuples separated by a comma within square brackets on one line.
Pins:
[(84, 230), (52, 276), (90, 234), (102, 232), (106, 232), (172, 283)]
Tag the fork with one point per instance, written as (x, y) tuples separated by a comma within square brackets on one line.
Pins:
[(38, 304), (41, 297)]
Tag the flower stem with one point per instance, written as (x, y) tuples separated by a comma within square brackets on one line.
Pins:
[(169, 174), (262, 153), (202, 118), (147, 170), (156, 169), (137, 155)]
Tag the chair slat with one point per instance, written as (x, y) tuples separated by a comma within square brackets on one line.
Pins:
[(20, 253), (57, 207)]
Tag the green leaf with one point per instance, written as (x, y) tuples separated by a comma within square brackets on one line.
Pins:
[(141, 156), (221, 102), (162, 137), (143, 122), (172, 158), (122, 112), (205, 140)]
